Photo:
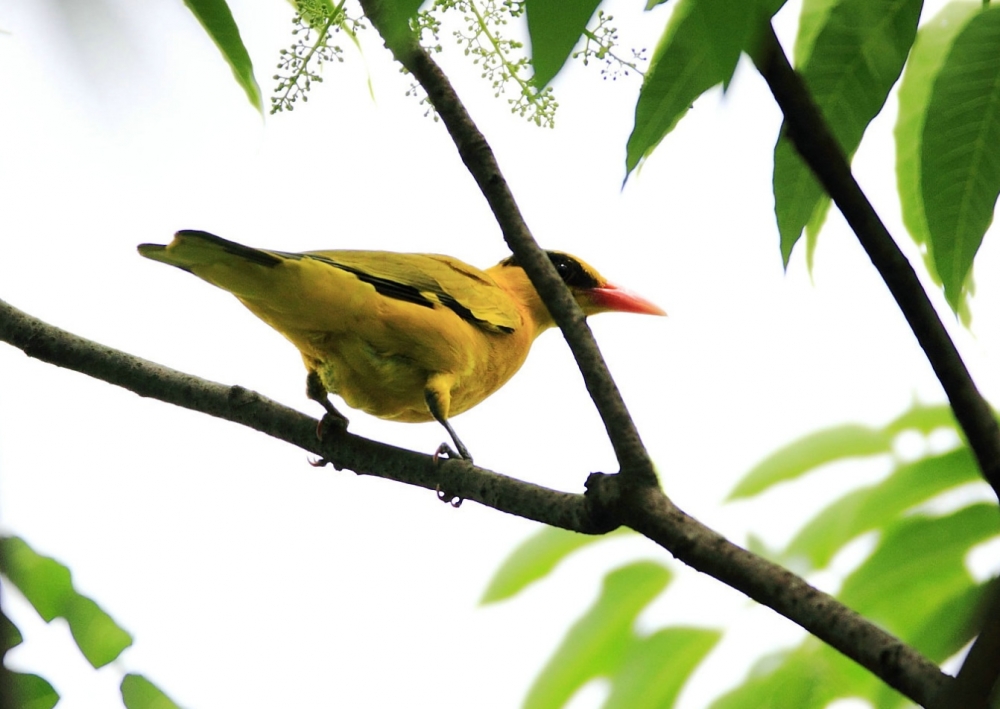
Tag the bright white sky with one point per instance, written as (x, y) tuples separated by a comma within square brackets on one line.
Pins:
[(250, 579)]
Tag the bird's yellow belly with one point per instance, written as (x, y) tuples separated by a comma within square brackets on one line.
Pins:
[(393, 386)]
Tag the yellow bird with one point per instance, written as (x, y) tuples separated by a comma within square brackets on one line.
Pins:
[(406, 337)]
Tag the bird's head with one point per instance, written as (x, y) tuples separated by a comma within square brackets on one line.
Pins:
[(593, 293)]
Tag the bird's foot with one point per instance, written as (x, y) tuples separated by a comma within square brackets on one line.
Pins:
[(447, 498), (445, 452), (332, 423)]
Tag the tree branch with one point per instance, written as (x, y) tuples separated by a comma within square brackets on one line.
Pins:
[(812, 137), (481, 162), (608, 503)]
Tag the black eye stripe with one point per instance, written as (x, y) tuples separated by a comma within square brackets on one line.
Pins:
[(572, 273), (569, 269)]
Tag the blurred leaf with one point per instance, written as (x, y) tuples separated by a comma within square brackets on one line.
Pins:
[(934, 41), (555, 27), (216, 18), (10, 636), (856, 57), (139, 693), (810, 452), (838, 443), (918, 565), (99, 638), (699, 49), (655, 669), (924, 419), (44, 581), (960, 150), (808, 677), (394, 21), (28, 691), (875, 506), (536, 557), (48, 586), (597, 642)]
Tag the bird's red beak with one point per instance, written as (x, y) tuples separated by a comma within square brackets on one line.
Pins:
[(610, 297)]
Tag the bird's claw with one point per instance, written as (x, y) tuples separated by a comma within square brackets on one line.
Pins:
[(332, 422)]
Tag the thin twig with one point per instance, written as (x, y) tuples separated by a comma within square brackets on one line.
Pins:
[(812, 137)]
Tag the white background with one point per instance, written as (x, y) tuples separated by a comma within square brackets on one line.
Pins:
[(250, 579)]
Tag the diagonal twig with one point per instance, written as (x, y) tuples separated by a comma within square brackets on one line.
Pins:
[(812, 137), (482, 164)]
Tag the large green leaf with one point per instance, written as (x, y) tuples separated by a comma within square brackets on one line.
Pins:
[(960, 150), (48, 586), (835, 444), (934, 40), (597, 643), (536, 557), (655, 669), (855, 58), (918, 565), (810, 452), (555, 27), (876, 506), (216, 18), (699, 49), (139, 693)]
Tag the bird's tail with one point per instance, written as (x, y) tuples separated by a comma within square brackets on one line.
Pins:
[(192, 249)]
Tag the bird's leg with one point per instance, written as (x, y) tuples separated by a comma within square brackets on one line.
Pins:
[(444, 450), (434, 406), (332, 419)]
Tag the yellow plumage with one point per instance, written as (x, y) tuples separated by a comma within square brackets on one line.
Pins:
[(407, 337)]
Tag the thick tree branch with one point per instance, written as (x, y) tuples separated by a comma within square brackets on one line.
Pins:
[(479, 159), (607, 504), (811, 136)]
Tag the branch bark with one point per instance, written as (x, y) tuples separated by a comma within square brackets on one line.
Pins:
[(812, 137), (607, 504)]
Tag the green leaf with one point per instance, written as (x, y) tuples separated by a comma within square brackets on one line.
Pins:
[(879, 505), (536, 557), (654, 669), (48, 586), (44, 581), (918, 565), (597, 642), (812, 18), (10, 636), (960, 150), (139, 693), (808, 677), (810, 452), (835, 444), (99, 638), (555, 27), (216, 18), (28, 691), (699, 49), (855, 59), (934, 41)]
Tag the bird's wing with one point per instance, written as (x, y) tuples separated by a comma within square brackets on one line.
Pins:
[(430, 280)]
